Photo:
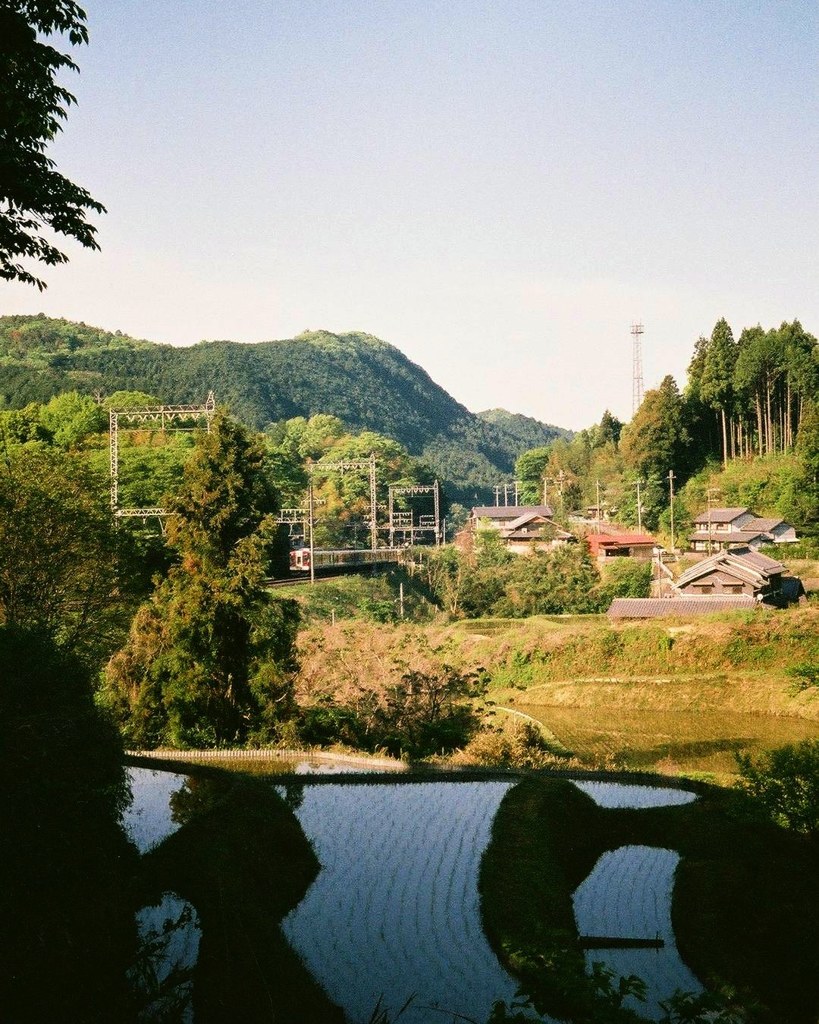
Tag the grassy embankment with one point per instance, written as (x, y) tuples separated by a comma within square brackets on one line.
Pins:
[(674, 697)]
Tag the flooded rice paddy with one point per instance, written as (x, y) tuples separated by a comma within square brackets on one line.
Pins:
[(627, 896), (394, 910), (667, 741)]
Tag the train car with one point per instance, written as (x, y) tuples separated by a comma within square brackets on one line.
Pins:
[(348, 558)]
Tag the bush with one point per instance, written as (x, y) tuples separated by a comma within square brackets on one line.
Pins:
[(785, 782), (522, 746)]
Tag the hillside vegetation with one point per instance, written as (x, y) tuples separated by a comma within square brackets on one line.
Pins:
[(364, 381), (745, 427)]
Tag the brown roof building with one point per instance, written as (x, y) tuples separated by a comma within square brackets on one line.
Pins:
[(732, 573)]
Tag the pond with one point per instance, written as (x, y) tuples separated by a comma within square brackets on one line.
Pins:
[(405, 892)]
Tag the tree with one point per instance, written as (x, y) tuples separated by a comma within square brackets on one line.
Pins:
[(716, 384), (785, 782), (210, 657), (33, 195), (530, 469), (551, 583), (657, 438), (58, 550), (70, 418)]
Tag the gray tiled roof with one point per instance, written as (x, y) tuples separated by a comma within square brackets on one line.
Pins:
[(720, 515), (510, 511), (748, 565), (677, 607)]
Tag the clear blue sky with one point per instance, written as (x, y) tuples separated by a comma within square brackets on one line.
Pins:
[(497, 188)]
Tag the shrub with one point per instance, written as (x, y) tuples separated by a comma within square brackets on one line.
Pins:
[(785, 782)]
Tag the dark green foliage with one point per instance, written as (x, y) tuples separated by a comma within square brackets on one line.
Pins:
[(488, 580), (785, 781), (66, 922), (33, 195), (530, 469), (656, 440), (60, 558), (529, 432), (210, 657), (551, 583), (624, 577), (363, 381)]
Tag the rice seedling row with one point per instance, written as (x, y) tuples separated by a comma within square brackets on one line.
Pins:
[(627, 895), (395, 909)]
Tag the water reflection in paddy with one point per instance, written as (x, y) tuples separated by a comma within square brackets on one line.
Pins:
[(395, 909), (621, 795), (628, 896)]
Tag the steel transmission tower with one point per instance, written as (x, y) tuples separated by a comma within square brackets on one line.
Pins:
[(637, 368)]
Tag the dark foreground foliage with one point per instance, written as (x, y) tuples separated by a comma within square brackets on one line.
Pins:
[(66, 919), (785, 783)]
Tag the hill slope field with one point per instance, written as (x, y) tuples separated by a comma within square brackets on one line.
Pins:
[(366, 382)]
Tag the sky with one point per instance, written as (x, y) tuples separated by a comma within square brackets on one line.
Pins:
[(497, 188)]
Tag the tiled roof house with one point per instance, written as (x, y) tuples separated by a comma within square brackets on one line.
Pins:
[(721, 528)]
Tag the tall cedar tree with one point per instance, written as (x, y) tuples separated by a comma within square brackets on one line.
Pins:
[(717, 382), (210, 656)]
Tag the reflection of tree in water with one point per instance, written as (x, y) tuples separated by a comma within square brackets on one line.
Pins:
[(162, 975), (745, 901), (242, 860)]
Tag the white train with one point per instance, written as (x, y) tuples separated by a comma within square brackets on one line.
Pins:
[(342, 559)]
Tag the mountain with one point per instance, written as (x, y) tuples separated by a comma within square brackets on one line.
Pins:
[(366, 382), (527, 431)]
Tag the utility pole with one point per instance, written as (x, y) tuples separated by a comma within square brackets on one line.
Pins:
[(310, 524), (559, 480), (598, 505), (671, 479), (710, 494)]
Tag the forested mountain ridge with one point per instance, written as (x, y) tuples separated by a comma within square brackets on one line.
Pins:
[(366, 382), (529, 432)]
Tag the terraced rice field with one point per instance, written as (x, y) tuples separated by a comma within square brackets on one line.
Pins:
[(628, 896), (394, 911), (670, 742)]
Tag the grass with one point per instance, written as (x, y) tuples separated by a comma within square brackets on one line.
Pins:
[(692, 743)]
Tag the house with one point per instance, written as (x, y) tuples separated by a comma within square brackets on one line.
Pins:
[(717, 529), (502, 516), (677, 607), (734, 572), (522, 528), (621, 545)]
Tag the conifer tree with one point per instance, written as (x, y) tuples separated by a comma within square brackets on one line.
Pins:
[(210, 656)]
